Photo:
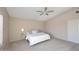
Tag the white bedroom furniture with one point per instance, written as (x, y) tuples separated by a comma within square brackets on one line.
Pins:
[(35, 38)]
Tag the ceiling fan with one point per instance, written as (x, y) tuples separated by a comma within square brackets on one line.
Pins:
[(45, 11)]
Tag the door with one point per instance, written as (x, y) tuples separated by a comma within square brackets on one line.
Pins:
[(73, 31)]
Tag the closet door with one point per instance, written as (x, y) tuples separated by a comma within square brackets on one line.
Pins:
[(73, 31)]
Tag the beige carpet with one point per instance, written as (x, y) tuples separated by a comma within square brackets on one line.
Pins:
[(50, 45)]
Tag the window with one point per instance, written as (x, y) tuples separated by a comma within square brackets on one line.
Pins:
[(1, 29)]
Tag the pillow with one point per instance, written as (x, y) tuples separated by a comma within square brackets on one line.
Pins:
[(34, 31)]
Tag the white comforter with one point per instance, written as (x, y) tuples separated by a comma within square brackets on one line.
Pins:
[(37, 37)]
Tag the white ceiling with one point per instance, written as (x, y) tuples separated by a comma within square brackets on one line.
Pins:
[(30, 12)]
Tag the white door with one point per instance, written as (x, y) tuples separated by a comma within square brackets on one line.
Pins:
[(73, 31), (1, 29)]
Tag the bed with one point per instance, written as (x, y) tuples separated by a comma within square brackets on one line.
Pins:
[(37, 37)]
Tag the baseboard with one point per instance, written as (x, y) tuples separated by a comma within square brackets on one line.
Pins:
[(65, 40), (15, 40)]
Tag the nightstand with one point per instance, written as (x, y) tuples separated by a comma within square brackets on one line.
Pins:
[(23, 36)]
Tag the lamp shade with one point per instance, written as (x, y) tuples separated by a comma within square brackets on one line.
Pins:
[(22, 29)]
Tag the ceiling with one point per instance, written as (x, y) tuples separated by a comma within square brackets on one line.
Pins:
[(30, 12)]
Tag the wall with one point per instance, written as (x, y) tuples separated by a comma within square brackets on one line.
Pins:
[(15, 25), (5, 26), (58, 26)]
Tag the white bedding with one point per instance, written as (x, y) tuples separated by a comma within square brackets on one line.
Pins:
[(37, 37)]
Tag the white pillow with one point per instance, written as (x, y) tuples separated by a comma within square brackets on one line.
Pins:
[(34, 31)]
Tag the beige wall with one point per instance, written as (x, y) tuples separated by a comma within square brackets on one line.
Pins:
[(58, 25), (16, 24), (5, 25)]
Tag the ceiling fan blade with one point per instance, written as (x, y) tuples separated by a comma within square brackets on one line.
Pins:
[(47, 14), (38, 11), (50, 11), (41, 13)]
